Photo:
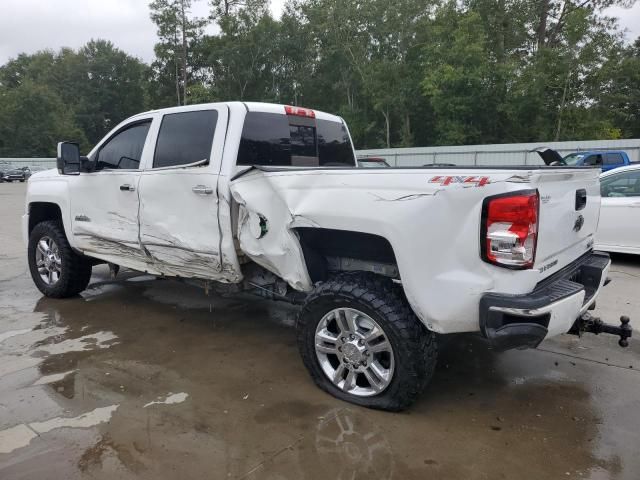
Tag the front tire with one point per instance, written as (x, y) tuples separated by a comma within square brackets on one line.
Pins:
[(362, 343), (55, 268)]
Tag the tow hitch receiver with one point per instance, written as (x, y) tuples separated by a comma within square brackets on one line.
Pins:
[(590, 324)]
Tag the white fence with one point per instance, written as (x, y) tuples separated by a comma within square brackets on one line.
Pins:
[(508, 154), (30, 162)]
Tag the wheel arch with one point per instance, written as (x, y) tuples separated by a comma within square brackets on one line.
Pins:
[(41, 212), (327, 250), (48, 199)]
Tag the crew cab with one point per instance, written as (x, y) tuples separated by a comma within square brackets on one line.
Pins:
[(269, 199)]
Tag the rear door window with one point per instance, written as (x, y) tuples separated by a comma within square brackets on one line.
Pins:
[(273, 139), (185, 138), (613, 159)]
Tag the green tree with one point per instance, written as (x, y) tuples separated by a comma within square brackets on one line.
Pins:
[(99, 85), (620, 92), (174, 66), (111, 87), (33, 119), (459, 78)]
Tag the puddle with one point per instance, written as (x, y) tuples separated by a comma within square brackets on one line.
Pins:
[(56, 377), (21, 435), (169, 400), (99, 340), (89, 419)]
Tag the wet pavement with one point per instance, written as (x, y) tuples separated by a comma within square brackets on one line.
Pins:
[(146, 378)]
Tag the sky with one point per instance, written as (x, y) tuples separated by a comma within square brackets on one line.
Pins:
[(32, 25)]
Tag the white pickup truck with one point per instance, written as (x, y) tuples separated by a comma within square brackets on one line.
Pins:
[(268, 198)]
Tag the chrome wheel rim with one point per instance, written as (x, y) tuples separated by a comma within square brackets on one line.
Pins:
[(354, 352), (48, 261)]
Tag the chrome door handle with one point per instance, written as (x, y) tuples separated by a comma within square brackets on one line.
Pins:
[(127, 188), (202, 190)]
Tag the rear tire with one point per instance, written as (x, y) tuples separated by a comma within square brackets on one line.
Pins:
[(372, 302), (55, 268)]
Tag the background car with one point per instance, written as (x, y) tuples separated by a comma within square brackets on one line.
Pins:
[(372, 162), (607, 160), (28, 171), (15, 174), (619, 226), (4, 168)]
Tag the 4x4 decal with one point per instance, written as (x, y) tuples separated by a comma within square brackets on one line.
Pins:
[(448, 180)]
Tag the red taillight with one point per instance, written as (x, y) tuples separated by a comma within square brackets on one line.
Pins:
[(299, 111), (510, 229)]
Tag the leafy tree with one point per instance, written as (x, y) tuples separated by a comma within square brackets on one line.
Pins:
[(402, 73), (111, 87), (99, 85), (620, 90), (178, 34), (33, 119), (459, 78)]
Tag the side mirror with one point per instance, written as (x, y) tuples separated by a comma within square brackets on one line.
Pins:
[(68, 160)]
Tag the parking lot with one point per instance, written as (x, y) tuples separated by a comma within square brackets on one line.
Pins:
[(147, 378)]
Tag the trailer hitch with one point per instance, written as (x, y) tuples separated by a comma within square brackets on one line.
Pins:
[(590, 324)]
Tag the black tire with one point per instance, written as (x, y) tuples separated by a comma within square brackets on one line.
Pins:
[(22, 181), (75, 269), (415, 347)]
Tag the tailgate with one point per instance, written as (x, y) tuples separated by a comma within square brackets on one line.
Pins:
[(569, 212)]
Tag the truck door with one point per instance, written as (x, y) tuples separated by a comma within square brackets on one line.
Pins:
[(179, 228), (612, 160), (104, 202)]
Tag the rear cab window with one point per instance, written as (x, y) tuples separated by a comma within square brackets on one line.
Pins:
[(280, 139)]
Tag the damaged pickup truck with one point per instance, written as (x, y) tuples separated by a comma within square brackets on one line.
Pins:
[(268, 199)]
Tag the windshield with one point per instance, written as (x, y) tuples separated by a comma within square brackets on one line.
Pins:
[(573, 158)]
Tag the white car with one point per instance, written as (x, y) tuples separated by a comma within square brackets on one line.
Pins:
[(269, 199), (619, 227)]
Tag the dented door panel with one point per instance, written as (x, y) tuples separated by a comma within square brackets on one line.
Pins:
[(179, 228), (179, 206), (105, 225)]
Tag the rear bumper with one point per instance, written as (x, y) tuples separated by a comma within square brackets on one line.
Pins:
[(523, 321)]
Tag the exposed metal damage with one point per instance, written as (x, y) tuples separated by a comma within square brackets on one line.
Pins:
[(265, 236)]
